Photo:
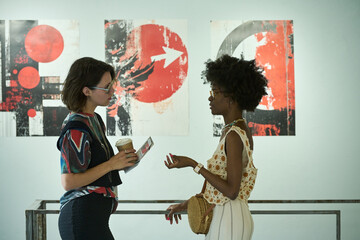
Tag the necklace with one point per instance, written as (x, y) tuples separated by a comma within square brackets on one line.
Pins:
[(232, 123)]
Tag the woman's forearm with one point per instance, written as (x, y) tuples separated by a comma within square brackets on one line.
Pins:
[(76, 180), (229, 190)]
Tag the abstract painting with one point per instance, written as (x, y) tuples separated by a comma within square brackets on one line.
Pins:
[(151, 64), (271, 44), (35, 57)]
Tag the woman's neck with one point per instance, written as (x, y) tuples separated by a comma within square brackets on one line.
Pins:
[(232, 116), (88, 109)]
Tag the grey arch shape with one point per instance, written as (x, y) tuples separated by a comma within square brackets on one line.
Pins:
[(239, 34)]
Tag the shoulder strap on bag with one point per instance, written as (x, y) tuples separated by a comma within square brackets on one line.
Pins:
[(204, 187), (210, 207), (208, 211)]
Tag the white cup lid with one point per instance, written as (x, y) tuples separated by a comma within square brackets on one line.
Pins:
[(123, 141)]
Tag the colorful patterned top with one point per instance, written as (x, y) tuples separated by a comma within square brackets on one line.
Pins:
[(218, 163), (76, 155)]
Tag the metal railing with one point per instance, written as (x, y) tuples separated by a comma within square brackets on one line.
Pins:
[(36, 213)]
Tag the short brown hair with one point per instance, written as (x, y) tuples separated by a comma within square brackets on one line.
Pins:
[(84, 72)]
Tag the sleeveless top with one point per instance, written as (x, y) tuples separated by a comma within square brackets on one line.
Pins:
[(218, 166)]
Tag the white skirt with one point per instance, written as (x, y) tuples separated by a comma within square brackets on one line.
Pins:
[(232, 221)]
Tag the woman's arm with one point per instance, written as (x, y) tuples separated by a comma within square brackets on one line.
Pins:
[(119, 161), (230, 187), (173, 211)]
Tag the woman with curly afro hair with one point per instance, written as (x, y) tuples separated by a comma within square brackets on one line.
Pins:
[(237, 85)]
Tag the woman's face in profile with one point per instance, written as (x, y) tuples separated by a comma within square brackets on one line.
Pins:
[(102, 93), (217, 101)]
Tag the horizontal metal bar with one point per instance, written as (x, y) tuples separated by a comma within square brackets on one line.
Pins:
[(295, 212), (43, 211), (323, 201), (36, 204), (308, 201), (151, 201), (46, 211), (144, 212), (252, 211), (38, 207), (252, 201)]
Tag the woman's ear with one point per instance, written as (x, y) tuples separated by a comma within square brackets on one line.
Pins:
[(86, 91)]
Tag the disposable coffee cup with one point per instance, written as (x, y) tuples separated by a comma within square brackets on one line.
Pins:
[(124, 144)]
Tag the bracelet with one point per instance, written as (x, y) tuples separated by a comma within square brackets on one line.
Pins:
[(198, 167)]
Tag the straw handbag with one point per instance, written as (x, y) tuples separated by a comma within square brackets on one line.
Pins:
[(199, 214)]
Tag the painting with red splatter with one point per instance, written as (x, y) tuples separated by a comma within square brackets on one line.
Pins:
[(151, 64), (271, 44), (34, 60)]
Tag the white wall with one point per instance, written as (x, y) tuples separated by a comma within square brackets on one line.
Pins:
[(320, 162)]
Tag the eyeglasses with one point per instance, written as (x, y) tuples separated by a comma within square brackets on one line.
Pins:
[(107, 90), (213, 93)]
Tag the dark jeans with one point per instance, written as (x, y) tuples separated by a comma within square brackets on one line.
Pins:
[(86, 217)]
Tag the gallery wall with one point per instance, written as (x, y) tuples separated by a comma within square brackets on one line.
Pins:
[(321, 161)]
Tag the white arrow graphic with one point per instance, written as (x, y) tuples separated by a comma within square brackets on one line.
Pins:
[(170, 55)]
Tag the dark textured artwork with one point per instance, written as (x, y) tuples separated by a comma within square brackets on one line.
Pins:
[(151, 62), (29, 98), (271, 44)]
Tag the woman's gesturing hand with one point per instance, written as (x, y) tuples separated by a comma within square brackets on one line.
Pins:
[(123, 159), (173, 210), (174, 161)]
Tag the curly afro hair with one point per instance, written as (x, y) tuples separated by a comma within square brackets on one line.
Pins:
[(238, 79)]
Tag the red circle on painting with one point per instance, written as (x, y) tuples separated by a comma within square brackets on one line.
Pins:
[(29, 77), (44, 43), (155, 43), (31, 113)]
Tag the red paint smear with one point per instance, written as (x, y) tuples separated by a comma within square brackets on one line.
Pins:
[(13, 83), (44, 43), (31, 113), (21, 59), (13, 97), (259, 37), (264, 129), (110, 23), (114, 108), (119, 91), (29, 77), (149, 40), (116, 51), (278, 54)]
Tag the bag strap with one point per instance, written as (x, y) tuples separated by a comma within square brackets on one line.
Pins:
[(208, 211), (211, 205), (204, 186)]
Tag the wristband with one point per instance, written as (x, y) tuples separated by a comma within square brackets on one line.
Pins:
[(198, 167)]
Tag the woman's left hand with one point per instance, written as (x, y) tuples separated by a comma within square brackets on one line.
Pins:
[(179, 161), (174, 212)]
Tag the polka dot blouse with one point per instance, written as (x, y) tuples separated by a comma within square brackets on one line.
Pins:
[(217, 165)]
